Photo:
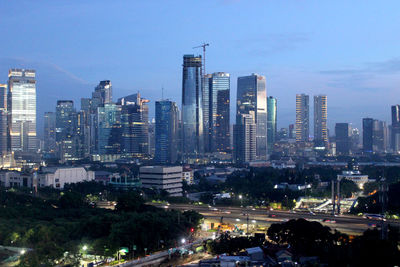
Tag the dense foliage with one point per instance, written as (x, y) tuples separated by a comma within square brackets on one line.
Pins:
[(57, 228)]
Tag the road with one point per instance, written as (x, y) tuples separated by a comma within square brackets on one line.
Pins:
[(344, 223)]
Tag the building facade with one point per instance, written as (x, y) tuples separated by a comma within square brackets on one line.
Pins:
[(320, 121), (166, 132), (302, 118), (3, 119), (271, 123), (245, 139), (21, 103), (252, 99), (343, 138), (49, 132), (368, 133), (162, 178), (192, 108)]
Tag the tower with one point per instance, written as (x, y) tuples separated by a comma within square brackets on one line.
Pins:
[(302, 118)]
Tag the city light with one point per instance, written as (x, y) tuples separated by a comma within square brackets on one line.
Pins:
[(84, 248), (22, 252), (183, 241)]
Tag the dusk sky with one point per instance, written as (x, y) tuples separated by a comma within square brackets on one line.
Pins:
[(349, 50)]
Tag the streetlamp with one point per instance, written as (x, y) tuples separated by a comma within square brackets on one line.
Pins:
[(84, 248), (241, 200), (183, 241)]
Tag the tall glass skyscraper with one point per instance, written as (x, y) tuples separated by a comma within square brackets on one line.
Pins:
[(320, 120), (216, 110), (395, 130), (343, 138), (66, 138), (3, 119), (302, 118), (135, 126), (252, 99), (103, 93), (192, 108), (109, 129), (271, 123), (166, 132), (49, 132), (368, 128), (21, 104)]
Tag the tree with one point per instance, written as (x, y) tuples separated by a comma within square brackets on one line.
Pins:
[(129, 202)]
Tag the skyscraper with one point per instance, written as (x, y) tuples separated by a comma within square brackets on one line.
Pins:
[(245, 138), (21, 103), (320, 121), (3, 119), (379, 136), (135, 126), (192, 109), (102, 93), (302, 118), (109, 129), (368, 135), (166, 132), (395, 130), (49, 132), (252, 99), (271, 123), (66, 138), (343, 141), (216, 111)]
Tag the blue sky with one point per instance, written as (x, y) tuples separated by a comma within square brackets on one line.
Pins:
[(348, 50)]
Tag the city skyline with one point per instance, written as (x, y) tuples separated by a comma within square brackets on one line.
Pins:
[(304, 51)]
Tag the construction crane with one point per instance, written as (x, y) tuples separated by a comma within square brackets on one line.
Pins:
[(204, 55)]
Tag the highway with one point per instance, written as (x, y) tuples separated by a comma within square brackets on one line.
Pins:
[(345, 223)]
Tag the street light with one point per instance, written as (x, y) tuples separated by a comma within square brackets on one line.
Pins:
[(183, 241), (22, 252), (241, 200), (84, 248)]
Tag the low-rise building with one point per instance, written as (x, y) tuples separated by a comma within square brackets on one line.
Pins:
[(188, 175), (10, 179), (57, 177), (356, 177), (162, 178)]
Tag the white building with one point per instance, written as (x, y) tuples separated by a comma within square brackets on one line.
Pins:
[(162, 178), (57, 177), (188, 175), (10, 179)]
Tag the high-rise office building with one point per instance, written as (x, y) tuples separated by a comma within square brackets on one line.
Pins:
[(192, 107), (21, 103), (245, 148), (302, 118), (343, 138), (3, 119), (102, 93), (135, 126), (395, 129), (166, 132), (216, 111), (49, 132), (109, 129), (66, 139), (379, 136), (320, 121), (368, 126), (271, 123), (252, 99)]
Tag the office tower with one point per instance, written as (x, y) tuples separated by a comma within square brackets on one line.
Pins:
[(395, 129), (102, 93), (152, 137), (109, 129), (379, 136), (49, 132), (66, 130), (292, 131), (343, 134), (216, 111), (192, 109), (166, 132), (271, 123), (3, 119), (320, 121), (368, 135), (245, 138), (135, 126), (21, 103), (302, 118), (252, 99)]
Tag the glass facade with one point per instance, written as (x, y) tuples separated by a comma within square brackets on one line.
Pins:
[(343, 141), (320, 121), (192, 108), (166, 132), (302, 118), (21, 104), (109, 129), (252, 99), (368, 125), (49, 132), (3, 119), (66, 138), (271, 123)]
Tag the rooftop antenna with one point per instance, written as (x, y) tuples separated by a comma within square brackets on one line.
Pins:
[(204, 55)]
